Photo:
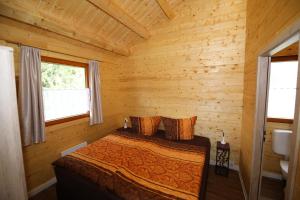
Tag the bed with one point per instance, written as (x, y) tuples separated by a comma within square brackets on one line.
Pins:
[(126, 165)]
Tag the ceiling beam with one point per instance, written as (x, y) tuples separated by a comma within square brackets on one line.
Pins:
[(113, 10), (61, 28), (165, 6)]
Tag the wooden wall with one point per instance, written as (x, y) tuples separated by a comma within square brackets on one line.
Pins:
[(193, 65), (265, 20), (38, 157)]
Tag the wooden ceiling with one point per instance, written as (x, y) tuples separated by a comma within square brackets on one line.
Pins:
[(113, 25), (291, 50)]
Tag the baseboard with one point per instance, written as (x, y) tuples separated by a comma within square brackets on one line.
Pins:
[(243, 186), (72, 149), (42, 187), (272, 175)]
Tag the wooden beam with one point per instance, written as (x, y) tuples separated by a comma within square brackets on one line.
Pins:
[(60, 28), (113, 10), (165, 6)]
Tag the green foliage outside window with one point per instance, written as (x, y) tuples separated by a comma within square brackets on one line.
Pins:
[(58, 76)]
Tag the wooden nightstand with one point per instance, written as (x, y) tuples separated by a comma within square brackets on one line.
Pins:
[(222, 159)]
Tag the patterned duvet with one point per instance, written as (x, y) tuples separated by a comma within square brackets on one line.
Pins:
[(137, 167)]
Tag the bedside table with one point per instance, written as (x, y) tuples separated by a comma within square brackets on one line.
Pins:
[(124, 129), (222, 159)]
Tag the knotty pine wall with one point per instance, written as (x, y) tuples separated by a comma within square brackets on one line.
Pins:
[(38, 157), (265, 21), (193, 65)]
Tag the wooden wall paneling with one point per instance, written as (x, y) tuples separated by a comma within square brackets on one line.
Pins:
[(165, 6), (38, 158), (190, 67)]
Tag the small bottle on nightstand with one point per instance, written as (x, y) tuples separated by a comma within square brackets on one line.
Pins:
[(125, 123)]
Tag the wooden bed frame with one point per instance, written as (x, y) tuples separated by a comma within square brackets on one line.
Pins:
[(71, 186)]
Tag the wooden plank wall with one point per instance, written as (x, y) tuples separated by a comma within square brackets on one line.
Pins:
[(193, 65), (38, 157), (265, 20)]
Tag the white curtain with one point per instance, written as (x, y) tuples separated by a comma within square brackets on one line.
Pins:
[(96, 116), (30, 97), (59, 103), (12, 181)]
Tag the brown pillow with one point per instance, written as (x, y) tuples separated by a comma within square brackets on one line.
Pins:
[(179, 129), (145, 125)]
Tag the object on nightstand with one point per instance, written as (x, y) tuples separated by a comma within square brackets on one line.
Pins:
[(223, 136), (125, 123), (222, 159)]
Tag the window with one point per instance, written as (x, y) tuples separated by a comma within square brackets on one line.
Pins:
[(65, 90), (282, 90)]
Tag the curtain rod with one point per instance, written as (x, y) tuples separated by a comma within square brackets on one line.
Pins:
[(67, 54)]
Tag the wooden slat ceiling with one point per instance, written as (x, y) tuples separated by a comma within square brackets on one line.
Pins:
[(291, 50), (114, 25)]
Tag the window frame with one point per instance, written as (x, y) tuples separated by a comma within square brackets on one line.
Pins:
[(282, 59), (72, 64)]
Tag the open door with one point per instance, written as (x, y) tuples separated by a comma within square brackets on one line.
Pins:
[(264, 62)]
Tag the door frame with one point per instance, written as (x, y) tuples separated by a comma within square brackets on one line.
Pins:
[(259, 126), (287, 38), (295, 144)]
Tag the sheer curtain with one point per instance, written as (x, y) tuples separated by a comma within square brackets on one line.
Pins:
[(59, 103), (96, 116), (30, 97)]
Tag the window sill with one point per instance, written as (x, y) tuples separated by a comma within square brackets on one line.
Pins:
[(278, 120), (67, 119), (57, 127)]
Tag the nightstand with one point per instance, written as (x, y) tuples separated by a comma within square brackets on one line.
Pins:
[(124, 129), (222, 159)]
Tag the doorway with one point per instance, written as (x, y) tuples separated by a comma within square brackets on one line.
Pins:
[(277, 111), (279, 117)]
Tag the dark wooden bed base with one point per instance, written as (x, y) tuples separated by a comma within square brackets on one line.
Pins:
[(71, 186)]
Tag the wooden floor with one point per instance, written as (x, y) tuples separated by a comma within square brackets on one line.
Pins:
[(272, 189), (218, 188)]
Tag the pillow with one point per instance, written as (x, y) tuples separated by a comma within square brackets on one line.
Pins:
[(145, 125), (179, 129)]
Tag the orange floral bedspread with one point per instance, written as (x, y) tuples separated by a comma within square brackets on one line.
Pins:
[(134, 168)]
